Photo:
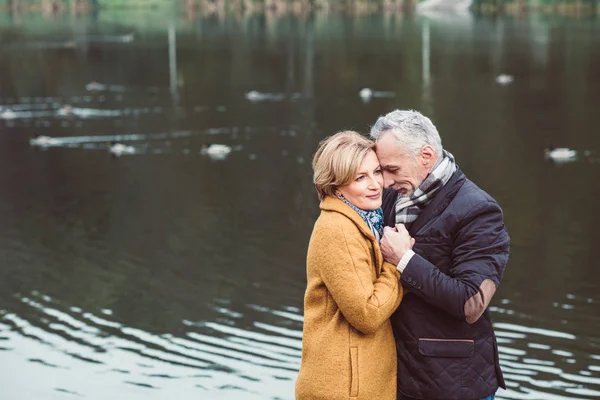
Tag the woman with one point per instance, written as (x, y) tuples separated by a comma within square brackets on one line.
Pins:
[(348, 348)]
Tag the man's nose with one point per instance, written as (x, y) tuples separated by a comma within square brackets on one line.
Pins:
[(387, 180)]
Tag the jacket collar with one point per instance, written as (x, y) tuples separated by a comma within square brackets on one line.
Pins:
[(440, 201), (336, 205)]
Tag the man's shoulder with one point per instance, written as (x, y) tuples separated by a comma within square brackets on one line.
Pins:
[(471, 197), (470, 190)]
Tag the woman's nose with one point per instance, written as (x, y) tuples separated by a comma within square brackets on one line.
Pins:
[(374, 184)]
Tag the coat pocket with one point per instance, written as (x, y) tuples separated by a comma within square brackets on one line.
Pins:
[(353, 371), (447, 348)]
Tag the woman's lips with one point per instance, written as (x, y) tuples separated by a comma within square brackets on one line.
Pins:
[(375, 196)]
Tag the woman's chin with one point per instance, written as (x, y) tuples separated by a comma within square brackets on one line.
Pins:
[(372, 205)]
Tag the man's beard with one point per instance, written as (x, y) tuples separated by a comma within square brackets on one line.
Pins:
[(405, 191)]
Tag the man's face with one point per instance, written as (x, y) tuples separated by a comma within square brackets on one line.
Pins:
[(402, 171)]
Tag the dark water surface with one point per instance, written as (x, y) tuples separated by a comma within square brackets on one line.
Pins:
[(171, 275)]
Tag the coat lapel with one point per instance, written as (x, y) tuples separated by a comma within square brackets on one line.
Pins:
[(378, 256), (337, 205), (439, 202), (389, 208)]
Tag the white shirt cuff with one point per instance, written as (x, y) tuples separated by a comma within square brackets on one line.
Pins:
[(404, 260)]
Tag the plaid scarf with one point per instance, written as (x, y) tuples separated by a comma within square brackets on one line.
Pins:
[(373, 218), (409, 207)]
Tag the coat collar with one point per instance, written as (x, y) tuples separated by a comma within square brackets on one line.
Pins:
[(334, 204), (439, 202)]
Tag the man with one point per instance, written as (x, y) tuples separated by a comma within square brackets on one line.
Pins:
[(444, 337)]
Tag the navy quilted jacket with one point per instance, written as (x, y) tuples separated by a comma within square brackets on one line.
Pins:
[(444, 338)]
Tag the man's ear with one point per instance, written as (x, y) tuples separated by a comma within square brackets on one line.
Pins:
[(427, 155)]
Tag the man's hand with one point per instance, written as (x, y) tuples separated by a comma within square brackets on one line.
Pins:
[(395, 242)]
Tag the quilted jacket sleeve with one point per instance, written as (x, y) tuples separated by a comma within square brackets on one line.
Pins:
[(479, 257), (345, 267)]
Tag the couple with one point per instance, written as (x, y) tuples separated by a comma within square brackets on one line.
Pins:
[(401, 311)]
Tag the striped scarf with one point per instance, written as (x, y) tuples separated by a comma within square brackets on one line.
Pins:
[(373, 218), (409, 207)]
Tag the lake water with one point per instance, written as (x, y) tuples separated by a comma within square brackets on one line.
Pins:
[(169, 274)]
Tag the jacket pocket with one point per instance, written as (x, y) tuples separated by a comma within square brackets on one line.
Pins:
[(353, 371), (448, 348)]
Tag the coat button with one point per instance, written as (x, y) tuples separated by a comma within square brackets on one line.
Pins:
[(409, 279)]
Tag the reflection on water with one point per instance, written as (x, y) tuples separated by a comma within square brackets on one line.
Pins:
[(174, 274), (217, 358)]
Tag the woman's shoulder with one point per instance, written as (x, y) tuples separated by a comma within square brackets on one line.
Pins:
[(334, 223), (334, 232)]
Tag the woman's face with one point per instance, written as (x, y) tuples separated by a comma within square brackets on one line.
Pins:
[(366, 189)]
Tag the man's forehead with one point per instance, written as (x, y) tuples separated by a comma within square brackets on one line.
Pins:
[(388, 144), (390, 153), (392, 159)]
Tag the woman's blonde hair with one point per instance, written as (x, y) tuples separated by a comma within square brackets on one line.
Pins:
[(337, 161)]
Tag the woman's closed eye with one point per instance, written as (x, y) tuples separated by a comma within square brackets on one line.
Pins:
[(360, 178)]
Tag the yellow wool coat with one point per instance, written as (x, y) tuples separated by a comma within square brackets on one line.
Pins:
[(348, 348)]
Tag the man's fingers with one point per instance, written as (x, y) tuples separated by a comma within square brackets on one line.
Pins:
[(388, 230), (401, 228)]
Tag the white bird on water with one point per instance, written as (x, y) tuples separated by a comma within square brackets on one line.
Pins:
[(504, 79), (560, 154), (255, 96), (95, 86), (7, 114), (66, 110), (44, 141), (216, 151), (366, 94), (126, 38), (120, 149)]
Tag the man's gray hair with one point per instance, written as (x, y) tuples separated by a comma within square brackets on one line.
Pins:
[(412, 129)]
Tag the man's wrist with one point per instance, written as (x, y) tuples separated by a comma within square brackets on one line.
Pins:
[(405, 260)]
